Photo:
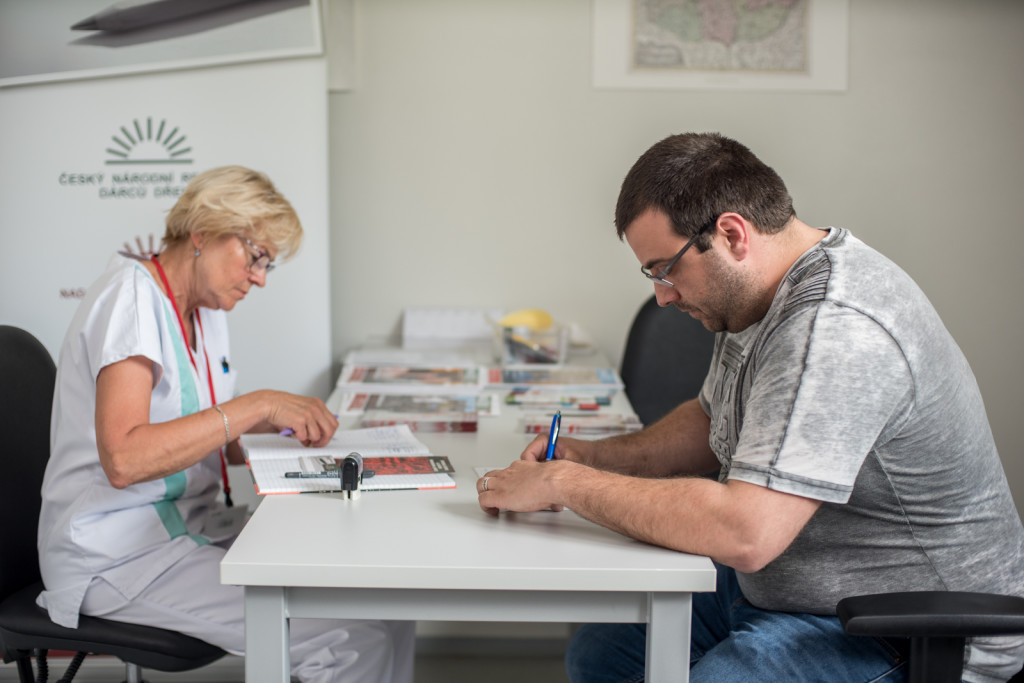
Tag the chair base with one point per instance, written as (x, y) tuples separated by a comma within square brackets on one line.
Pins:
[(132, 672), (24, 626)]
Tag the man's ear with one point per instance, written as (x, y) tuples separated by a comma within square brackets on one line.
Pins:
[(737, 232)]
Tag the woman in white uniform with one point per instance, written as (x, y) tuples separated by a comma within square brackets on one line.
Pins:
[(145, 421)]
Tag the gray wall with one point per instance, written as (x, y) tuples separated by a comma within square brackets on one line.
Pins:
[(474, 165)]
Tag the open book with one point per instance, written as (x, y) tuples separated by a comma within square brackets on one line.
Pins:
[(397, 459)]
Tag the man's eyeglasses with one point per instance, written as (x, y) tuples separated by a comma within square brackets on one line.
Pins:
[(261, 261), (659, 277)]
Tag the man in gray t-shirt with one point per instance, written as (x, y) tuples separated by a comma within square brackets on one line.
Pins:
[(850, 391), (852, 445)]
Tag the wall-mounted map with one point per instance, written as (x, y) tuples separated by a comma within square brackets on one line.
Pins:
[(721, 44), (744, 35)]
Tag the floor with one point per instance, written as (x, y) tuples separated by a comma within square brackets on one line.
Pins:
[(431, 667)]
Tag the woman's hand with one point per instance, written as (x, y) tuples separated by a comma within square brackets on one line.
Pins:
[(308, 418)]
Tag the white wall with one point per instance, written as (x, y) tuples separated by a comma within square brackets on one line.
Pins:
[(473, 164)]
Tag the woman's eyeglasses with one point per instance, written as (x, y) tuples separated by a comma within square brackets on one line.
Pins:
[(261, 261)]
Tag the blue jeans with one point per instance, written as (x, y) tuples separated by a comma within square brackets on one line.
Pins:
[(731, 640)]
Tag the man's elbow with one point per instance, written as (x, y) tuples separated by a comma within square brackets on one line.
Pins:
[(749, 556), (747, 564)]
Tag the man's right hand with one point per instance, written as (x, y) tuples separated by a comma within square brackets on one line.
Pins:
[(566, 449)]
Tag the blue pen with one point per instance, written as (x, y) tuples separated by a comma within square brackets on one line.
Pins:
[(556, 423)]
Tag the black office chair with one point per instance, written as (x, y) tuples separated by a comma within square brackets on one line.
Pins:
[(937, 623), (27, 375), (666, 357)]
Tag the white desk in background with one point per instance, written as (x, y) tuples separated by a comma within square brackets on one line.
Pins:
[(434, 555)]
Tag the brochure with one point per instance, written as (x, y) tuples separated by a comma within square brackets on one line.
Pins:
[(534, 397), (583, 424), (407, 379), (579, 378), (421, 413)]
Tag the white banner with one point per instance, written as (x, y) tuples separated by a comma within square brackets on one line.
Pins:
[(89, 165)]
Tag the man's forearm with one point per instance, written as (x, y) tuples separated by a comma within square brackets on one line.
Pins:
[(741, 525), (675, 445)]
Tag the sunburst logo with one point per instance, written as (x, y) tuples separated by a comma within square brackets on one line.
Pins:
[(148, 143)]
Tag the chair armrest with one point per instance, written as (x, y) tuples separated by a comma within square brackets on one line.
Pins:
[(932, 613)]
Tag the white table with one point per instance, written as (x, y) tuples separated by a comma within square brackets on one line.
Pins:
[(434, 555)]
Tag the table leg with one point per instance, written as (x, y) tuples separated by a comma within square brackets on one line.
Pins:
[(266, 635), (668, 637)]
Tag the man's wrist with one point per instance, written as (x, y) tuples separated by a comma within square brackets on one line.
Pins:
[(589, 453), (563, 476)]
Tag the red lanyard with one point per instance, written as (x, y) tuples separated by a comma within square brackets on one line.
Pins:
[(206, 357)]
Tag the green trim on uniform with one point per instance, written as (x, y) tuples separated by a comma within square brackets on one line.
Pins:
[(176, 483)]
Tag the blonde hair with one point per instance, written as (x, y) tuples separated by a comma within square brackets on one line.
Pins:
[(235, 200)]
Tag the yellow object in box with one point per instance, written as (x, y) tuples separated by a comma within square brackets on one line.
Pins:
[(530, 336), (533, 319)]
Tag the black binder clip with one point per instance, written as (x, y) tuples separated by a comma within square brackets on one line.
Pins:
[(351, 475)]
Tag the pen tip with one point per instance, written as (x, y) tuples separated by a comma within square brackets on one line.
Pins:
[(85, 25)]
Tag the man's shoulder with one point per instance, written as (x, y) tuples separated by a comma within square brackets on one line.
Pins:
[(844, 271)]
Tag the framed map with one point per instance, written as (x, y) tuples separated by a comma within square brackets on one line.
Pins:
[(721, 44)]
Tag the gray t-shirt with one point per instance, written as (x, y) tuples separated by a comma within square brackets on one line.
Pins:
[(851, 391)]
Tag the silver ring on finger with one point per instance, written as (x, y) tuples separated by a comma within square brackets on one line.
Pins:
[(483, 487)]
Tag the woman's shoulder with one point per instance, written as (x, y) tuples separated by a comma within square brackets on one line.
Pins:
[(124, 292), (120, 316), (125, 275)]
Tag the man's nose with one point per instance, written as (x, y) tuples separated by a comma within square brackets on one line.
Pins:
[(665, 295)]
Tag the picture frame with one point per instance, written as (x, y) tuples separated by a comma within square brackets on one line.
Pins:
[(616, 30), (62, 40)]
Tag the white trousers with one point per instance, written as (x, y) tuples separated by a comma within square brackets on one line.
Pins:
[(189, 598)]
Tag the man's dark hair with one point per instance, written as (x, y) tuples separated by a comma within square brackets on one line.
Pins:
[(694, 178)]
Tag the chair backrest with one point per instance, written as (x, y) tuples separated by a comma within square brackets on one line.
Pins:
[(666, 358), (27, 376)]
